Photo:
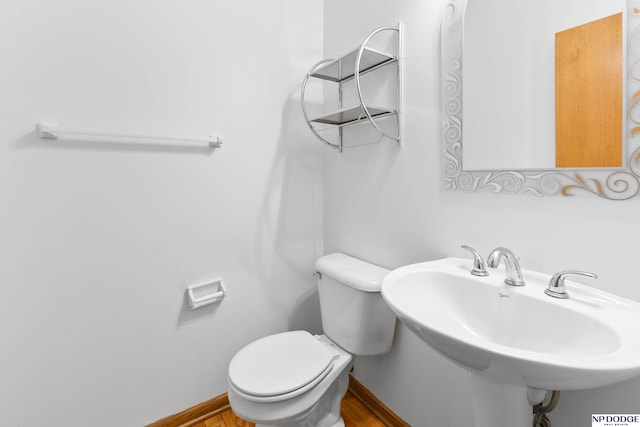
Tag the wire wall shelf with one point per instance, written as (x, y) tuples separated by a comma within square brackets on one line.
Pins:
[(352, 66)]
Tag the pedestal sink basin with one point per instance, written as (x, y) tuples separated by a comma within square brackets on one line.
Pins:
[(511, 338)]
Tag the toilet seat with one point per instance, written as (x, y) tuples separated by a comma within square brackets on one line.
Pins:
[(279, 367)]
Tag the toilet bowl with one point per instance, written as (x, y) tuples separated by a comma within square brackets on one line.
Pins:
[(299, 379), (290, 379)]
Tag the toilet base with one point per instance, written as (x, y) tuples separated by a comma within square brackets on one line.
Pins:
[(339, 423), (326, 412)]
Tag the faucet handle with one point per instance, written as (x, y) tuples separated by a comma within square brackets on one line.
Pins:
[(556, 287), (479, 266)]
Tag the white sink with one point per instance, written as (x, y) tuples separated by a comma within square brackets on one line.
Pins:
[(518, 335)]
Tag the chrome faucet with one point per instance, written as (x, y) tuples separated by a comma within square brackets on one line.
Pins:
[(479, 266), (556, 287), (514, 273)]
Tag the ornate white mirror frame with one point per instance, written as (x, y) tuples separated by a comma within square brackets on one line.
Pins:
[(614, 184)]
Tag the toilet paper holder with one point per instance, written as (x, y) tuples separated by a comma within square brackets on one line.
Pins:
[(206, 293)]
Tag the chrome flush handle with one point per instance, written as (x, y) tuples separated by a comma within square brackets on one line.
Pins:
[(479, 266), (556, 287)]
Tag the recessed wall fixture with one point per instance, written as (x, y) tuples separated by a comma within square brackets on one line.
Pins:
[(205, 293)]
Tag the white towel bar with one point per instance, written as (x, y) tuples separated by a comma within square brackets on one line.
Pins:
[(52, 131)]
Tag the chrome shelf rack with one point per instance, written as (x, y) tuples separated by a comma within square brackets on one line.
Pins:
[(351, 66)]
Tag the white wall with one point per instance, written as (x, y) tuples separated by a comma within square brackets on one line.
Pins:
[(389, 206), (98, 241)]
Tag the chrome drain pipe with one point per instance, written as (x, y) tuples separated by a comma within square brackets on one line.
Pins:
[(541, 410)]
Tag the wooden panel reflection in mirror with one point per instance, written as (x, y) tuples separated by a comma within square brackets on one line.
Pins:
[(589, 94)]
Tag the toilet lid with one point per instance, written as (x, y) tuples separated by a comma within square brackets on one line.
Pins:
[(279, 364)]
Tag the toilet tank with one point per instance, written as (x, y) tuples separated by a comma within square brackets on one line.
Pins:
[(354, 315)]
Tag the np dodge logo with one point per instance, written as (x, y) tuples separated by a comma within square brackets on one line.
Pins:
[(615, 420)]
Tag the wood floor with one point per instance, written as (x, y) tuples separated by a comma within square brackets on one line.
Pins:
[(353, 412), (360, 408)]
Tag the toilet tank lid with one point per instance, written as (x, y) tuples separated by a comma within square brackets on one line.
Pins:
[(352, 271)]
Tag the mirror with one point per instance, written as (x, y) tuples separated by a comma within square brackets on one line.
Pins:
[(475, 159)]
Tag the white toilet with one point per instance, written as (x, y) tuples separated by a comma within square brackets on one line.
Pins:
[(297, 379)]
